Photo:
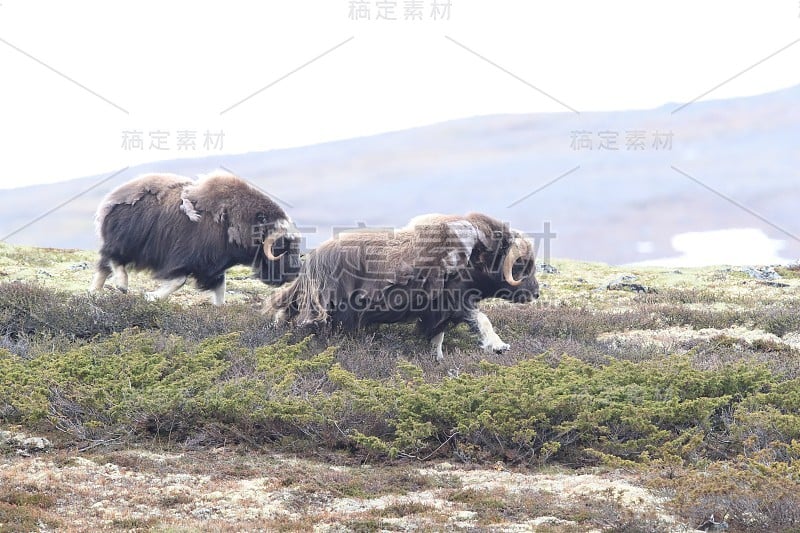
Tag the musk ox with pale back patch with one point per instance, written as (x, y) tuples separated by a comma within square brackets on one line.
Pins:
[(176, 228), (433, 272)]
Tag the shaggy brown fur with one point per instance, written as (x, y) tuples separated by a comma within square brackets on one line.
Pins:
[(176, 227), (159, 185), (434, 271)]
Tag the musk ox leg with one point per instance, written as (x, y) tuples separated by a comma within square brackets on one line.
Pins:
[(280, 317), (490, 341), (166, 289), (436, 346), (218, 293), (120, 277), (100, 276)]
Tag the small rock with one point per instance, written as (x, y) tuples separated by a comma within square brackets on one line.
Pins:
[(619, 280), (83, 265), (45, 273), (713, 525), (203, 513), (36, 443), (549, 521), (24, 444), (625, 282), (761, 273), (547, 269), (463, 516), (633, 287)]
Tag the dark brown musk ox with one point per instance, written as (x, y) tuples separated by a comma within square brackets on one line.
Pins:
[(433, 272), (176, 228)]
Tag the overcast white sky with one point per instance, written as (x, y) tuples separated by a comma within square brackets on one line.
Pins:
[(181, 65)]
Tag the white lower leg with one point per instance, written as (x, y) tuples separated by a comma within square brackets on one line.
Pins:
[(436, 346), (280, 317), (166, 289), (218, 294), (490, 341), (98, 280), (120, 277)]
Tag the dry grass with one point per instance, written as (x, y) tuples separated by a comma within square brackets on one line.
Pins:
[(235, 490), (26, 507)]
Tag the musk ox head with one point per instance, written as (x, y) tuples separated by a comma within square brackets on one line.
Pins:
[(514, 269), (252, 222), (481, 253), (278, 258)]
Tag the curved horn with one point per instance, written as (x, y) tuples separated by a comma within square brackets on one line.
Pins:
[(269, 242), (514, 252)]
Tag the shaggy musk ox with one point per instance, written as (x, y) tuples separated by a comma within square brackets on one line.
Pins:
[(432, 272), (176, 227)]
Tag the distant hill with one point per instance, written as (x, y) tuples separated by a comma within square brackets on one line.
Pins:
[(619, 206)]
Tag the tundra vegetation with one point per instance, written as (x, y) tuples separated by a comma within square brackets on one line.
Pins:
[(643, 406)]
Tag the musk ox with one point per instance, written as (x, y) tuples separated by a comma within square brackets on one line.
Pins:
[(176, 227), (433, 272)]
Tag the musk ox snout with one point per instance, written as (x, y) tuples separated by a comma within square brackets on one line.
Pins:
[(528, 291), (525, 292), (286, 265), (525, 296)]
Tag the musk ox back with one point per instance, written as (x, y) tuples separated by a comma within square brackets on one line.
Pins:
[(433, 272), (176, 227)]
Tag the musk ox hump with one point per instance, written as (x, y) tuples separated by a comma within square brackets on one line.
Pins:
[(464, 238), (440, 246), (446, 241), (230, 200), (134, 190)]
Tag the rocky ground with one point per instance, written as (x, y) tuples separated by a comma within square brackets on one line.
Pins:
[(232, 490)]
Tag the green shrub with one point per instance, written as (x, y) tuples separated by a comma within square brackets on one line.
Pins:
[(114, 387), (139, 384), (623, 409)]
